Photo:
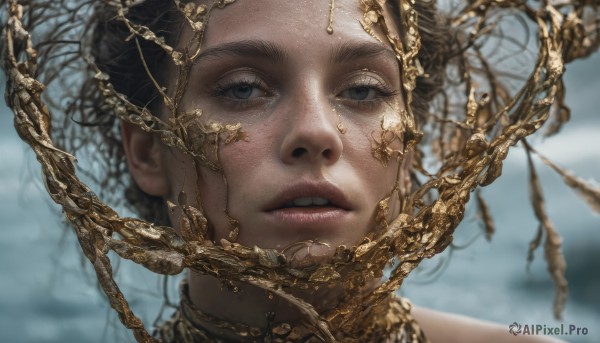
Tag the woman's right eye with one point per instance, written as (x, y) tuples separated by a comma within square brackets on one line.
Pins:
[(243, 91)]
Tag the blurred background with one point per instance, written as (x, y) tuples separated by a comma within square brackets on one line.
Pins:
[(49, 294)]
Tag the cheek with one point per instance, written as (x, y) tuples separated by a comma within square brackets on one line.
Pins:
[(234, 187), (183, 183), (363, 149), (380, 178), (204, 189), (243, 156), (242, 160)]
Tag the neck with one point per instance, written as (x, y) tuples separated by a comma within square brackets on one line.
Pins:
[(251, 305), (213, 312)]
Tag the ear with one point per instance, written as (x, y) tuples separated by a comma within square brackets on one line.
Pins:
[(144, 160)]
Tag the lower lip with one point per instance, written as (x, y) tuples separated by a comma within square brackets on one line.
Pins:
[(308, 217)]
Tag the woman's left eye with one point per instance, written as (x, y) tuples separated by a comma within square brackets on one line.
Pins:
[(360, 93), (365, 90)]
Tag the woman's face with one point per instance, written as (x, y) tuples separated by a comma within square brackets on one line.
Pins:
[(310, 103)]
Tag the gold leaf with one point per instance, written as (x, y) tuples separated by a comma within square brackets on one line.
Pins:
[(269, 257), (324, 274)]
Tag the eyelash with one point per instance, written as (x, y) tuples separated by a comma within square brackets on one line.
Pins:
[(384, 92), (220, 90)]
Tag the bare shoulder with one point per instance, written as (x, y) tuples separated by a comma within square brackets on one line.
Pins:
[(441, 327)]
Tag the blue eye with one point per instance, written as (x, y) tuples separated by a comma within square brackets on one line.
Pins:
[(364, 89), (360, 93), (243, 91)]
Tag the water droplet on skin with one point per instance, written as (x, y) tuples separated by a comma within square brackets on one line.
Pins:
[(330, 25)]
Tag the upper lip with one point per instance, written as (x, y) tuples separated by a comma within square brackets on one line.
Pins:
[(321, 189)]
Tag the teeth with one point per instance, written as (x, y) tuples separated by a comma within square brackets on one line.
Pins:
[(308, 201), (319, 201), (302, 202)]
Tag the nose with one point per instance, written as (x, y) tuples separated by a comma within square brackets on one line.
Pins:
[(312, 134)]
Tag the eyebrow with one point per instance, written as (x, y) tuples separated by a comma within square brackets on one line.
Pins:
[(340, 53), (246, 48), (350, 51)]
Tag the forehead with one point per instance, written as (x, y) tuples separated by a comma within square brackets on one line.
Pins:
[(296, 23)]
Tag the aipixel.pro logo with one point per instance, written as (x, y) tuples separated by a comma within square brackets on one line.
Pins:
[(543, 329)]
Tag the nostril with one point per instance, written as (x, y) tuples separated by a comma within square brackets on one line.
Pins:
[(327, 154), (299, 152)]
